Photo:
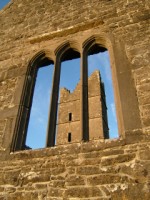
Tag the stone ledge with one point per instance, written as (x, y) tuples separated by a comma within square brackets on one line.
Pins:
[(76, 148), (65, 32)]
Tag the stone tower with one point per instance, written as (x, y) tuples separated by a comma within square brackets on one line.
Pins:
[(68, 127)]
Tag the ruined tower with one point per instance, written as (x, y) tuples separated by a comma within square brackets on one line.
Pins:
[(68, 127)]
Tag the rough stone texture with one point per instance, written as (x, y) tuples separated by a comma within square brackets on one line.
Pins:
[(7, 87), (96, 170), (142, 78), (109, 169), (70, 103)]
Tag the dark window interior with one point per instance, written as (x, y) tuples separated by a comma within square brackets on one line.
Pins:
[(69, 137), (70, 117)]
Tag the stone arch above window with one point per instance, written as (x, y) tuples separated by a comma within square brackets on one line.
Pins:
[(66, 46), (97, 53)]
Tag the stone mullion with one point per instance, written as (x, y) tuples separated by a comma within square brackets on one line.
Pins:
[(53, 106), (84, 98)]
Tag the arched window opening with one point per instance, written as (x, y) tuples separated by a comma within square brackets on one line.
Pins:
[(68, 112), (38, 120), (102, 112), (32, 118)]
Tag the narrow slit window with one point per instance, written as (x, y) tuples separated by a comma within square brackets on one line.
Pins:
[(69, 137), (70, 117)]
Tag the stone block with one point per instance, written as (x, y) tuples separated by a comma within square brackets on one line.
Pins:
[(74, 180), (57, 183), (112, 160), (82, 192), (88, 170), (55, 192), (134, 191), (144, 155), (58, 170), (23, 195), (103, 179)]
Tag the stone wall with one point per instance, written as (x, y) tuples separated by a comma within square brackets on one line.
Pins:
[(104, 169), (95, 170)]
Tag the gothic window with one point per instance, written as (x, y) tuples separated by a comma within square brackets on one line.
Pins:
[(69, 97), (88, 96), (38, 120), (32, 120), (98, 60)]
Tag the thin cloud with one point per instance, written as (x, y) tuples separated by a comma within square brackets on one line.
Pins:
[(101, 62), (113, 109)]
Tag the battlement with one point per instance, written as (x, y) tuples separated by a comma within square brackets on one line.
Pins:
[(94, 88)]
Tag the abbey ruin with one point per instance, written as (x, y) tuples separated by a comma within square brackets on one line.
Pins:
[(35, 33)]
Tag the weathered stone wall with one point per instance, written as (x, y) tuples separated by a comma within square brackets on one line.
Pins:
[(95, 170), (69, 103)]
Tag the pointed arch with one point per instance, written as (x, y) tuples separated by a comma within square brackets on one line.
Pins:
[(64, 47), (121, 77), (62, 53), (94, 45)]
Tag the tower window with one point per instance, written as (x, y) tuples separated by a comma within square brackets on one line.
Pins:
[(69, 137), (70, 117)]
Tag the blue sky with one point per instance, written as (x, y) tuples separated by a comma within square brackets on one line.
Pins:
[(101, 62), (70, 75), (37, 127), (3, 3)]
